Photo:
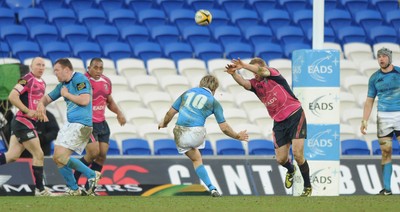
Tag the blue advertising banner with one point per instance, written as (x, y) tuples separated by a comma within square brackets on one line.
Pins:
[(323, 142)]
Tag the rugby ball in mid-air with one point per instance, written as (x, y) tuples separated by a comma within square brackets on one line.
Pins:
[(203, 17)]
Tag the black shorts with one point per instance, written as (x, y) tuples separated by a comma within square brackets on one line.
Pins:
[(101, 132), (295, 126), (23, 128)]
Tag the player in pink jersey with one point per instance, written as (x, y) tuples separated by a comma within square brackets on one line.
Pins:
[(25, 96), (102, 87), (290, 126)]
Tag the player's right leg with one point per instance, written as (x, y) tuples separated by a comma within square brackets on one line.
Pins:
[(282, 157), (14, 151), (92, 151), (387, 167)]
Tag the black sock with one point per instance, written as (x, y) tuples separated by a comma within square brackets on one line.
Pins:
[(305, 172), (78, 174), (289, 166), (2, 159), (96, 167), (38, 174)]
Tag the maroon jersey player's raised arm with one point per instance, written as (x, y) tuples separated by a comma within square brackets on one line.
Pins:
[(102, 88), (276, 95), (31, 91)]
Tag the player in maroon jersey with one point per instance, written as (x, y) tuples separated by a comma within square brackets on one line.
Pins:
[(96, 153), (25, 96), (290, 126)]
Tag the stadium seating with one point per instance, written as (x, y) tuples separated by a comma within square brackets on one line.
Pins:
[(113, 148), (337, 19), (78, 5), (262, 5), (147, 50), (56, 50), (239, 50), (201, 4), (135, 146), (244, 18), (44, 33), (182, 18), (208, 150), (139, 5), (261, 147), (354, 147), (229, 147), (6, 17), (86, 50), (276, 18), (165, 147), (152, 17), (3, 148), (384, 6), (109, 5), (290, 34), (130, 67), (258, 35), (4, 50), (117, 50), (376, 149), (13, 34), (393, 18), (353, 6), (293, 5), (103, 34), (196, 35), (25, 49), (31, 17), (208, 50), (268, 51), (220, 18), (61, 17), (382, 34), (143, 84)]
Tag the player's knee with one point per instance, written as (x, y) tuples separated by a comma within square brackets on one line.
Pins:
[(281, 159), (60, 159), (38, 155)]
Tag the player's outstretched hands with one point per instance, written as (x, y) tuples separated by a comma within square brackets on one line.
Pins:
[(230, 69), (243, 136), (238, 63)]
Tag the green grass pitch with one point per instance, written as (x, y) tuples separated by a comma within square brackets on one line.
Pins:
[(200, 203)]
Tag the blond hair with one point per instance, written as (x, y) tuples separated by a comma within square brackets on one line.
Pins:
[(210, 82), (258, 61)]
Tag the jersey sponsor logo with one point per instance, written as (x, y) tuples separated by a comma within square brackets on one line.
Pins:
[(30, 135), (81, 86), (99, 107), (22, 82)]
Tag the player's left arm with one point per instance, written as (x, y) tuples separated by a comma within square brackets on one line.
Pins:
[(262, 71), (168, 117), (82, 99), (114, 108)]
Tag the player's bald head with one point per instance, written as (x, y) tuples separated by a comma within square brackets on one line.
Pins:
[(37, 59)]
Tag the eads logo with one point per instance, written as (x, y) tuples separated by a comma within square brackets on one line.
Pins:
[(118, 175)]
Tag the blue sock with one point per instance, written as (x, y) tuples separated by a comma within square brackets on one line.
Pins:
[(77, 165), (387, 175), (202, 173), (66, 172)]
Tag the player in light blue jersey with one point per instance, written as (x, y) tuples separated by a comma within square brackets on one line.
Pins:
[(194, 106), (76, 90), (384, 84)]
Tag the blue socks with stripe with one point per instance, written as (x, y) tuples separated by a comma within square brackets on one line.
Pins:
[(387, 175)]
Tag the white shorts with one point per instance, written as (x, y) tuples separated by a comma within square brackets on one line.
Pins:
[(187, 138), (74, 136), (388, 122)]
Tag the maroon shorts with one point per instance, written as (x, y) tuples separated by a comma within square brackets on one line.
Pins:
[(295, 126)]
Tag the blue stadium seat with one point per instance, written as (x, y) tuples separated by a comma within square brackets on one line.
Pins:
[(290, 34), (62, 17), (208, 150), (135, 146), (208, 50), (31, 17), (329, 4), (382, 34), (109, 5), (17, 5), (117, 50), (4, 49), (354, 147), (170, 5), (353, 6), (50, 5), (337, 19), (165, 147), (258, 34), (268, 51), (245, 18), (25, 49), (113, 148), (147, 50), (261, 147), (263, 5), (139, 5), (13, 33), (165, 34), (276, 18), (78, 5), (104, 34), (178, 50), (44, 33), (229, 147), (122, 18), (200, 4), (304, 19), (152, 17), (351, 34), (329, 35), (239, 50), (86, 50), (289, 48), (293, 5), (75, 34), (393, 18), (182, 18), (196, 34), (385, 6), (219, 18), (231, 5), (135, 34), (55, 50), (6, 17), (92, 17), (368, 19), (227, 35)]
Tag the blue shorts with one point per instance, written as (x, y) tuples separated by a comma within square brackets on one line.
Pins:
[(101, 132)]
